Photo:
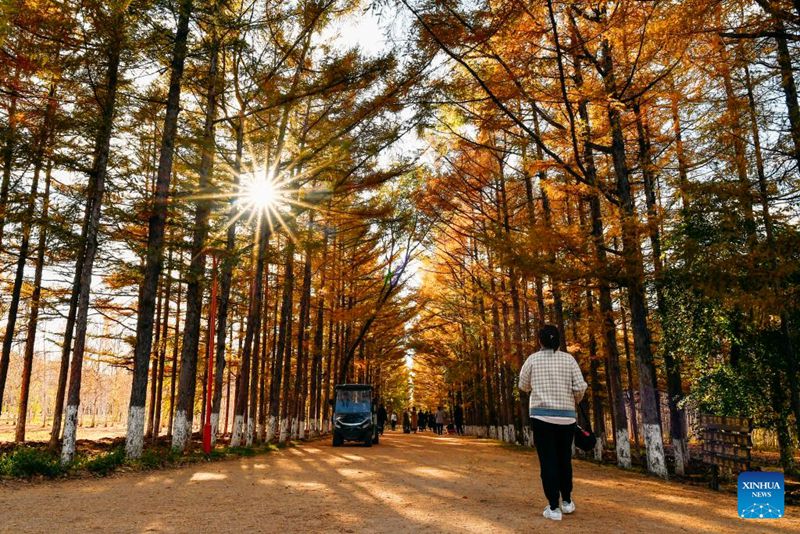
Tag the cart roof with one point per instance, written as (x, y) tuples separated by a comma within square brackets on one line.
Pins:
[(354, 386)]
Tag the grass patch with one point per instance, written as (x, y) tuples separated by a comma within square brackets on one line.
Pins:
[(241, 451), (32, 461), (156, 459), (28, 462), (104, 464)]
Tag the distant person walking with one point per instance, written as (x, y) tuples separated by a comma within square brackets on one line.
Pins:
[(440, 417), (382, 417), (556, 385), (406, 422), (458, 416), (414, 419), (393, 419)]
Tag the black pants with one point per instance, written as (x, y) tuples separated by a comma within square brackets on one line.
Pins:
[(554, 447)]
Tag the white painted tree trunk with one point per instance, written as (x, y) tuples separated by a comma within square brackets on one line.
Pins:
[(623, 445), (271, 429), (262, 432), (214, 428), (598, 448), (284, 431), (181, 431), (656, 463), (134, 440), (248, 441), (70, 434), (236, 435)]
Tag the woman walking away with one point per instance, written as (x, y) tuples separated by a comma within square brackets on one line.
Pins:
[(440, 415), (556, 385), (394, 420)]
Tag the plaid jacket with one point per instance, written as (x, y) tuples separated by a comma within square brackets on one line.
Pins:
[(554, 381)]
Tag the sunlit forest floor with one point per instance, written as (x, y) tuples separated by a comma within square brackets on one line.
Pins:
[(407, 483), (36, 432)]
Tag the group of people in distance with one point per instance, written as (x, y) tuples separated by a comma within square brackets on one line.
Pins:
[(439, 421), (417, 421)]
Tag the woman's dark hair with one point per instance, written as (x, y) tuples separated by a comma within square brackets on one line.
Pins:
[(549, 337)]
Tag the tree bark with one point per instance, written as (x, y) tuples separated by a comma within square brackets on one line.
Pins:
[(287, 309), (33, 317), (187, 382), (97, 189), (253, 329), (677, 417), (226, 279), (161, 348), (155, 243), (9, 142), (634, 272), (789, 88), (174, 368), (608, 325)]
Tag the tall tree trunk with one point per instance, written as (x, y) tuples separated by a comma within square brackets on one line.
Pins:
[(634, 273), (677, 416), (789, 88), (33, 317), (41, 145), (151, 411), (161, 348), (187, 383), (298, 411), (155, 245), (255, 368), (253, 329), (226, 278), (97, 189), (266, 360), (287, 309), (316, 365), (9, 142), (173, 380), (598, 420), (608, 328)]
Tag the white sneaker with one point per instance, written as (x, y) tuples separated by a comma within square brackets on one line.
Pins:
[(555, 515), (567, 506)]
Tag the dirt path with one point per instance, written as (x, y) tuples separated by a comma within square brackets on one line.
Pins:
[(408, 483)]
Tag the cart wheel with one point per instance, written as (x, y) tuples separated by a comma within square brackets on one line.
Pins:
[(337, 440)]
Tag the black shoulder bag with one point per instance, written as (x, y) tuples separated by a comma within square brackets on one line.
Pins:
[(585, 439)]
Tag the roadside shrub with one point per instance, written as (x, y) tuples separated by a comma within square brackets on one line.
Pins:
[(106, 463), (241, 451), (156, 458), (27, 462)]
